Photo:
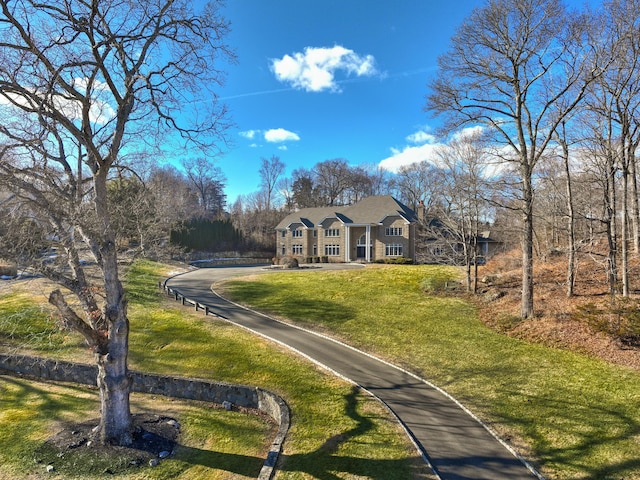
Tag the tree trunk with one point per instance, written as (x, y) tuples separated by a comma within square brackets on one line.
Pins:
[(571, 257), (610, 222), (114, 379), (114, 382), (635, 205), (474, 287), (624, 233), (527, 248)]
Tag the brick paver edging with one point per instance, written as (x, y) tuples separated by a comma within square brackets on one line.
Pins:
[(178, 387)]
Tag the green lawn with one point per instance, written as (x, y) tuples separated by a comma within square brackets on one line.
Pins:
[(575, 417), (337, 431)]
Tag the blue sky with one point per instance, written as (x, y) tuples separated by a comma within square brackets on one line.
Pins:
[(324, 79)]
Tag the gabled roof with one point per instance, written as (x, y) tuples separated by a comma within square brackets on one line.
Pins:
[(371, 210)]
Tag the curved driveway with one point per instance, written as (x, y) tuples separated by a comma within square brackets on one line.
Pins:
[(456, 444)]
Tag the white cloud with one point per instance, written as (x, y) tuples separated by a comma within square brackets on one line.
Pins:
[(278, 135), (421, 150), (100, 112), (249, 134), (409, 155), (427, 148), (314, 69), (421, 137), (468, 132)]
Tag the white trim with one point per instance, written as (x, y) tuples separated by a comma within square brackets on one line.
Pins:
[(367, 253)]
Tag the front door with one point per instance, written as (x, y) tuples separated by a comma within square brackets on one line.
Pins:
[(361, 247)]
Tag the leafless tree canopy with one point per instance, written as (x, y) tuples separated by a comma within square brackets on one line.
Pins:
[(83, 84), (519, 67)]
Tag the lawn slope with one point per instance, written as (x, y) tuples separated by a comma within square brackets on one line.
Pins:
[(337, 431), (573, 416)]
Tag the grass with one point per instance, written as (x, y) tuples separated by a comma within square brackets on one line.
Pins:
[(25, 325), (574, 416), (337, 431), (32, 411)]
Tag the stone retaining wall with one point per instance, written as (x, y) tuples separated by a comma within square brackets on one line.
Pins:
[(186, 388)]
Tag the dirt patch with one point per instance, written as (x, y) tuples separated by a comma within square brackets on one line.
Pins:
[(555, 322), (73, 451)]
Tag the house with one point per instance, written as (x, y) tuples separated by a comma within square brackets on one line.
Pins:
[(376, 228), (443, 245)]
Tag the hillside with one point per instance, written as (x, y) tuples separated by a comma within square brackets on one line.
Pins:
[(560, 321)]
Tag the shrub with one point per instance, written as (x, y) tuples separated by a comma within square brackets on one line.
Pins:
[(621, 319), (435, 284), (289, 262), (395, 261), (8, 270)]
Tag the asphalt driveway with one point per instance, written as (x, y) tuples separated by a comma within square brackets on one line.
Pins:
[(454, 442)]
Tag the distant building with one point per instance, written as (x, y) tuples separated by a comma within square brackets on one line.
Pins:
[(376, 228)]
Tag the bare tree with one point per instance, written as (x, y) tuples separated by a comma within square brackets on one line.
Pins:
[(360, 185), (332, 178), (509, 63), (464, 178), (600, 163), (285, 186), (79, 81), (305, 191), (615, 102), (173, 197), (417, 184), (133, 215), (271, 170), (380, 180), (208, 182)]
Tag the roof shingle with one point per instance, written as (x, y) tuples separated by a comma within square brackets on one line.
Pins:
[(370, 210)]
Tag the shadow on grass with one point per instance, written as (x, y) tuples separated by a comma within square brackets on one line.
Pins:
[(52, 406), (244, 465), (323, 463), (567, 430), (603, 436), (272, 299)]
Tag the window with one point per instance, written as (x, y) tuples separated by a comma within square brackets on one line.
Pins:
[(284, 250), (393, 250), (297, 233), (283, 233), (296, 249), (393, 231), (332, 250), (332, 232)]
